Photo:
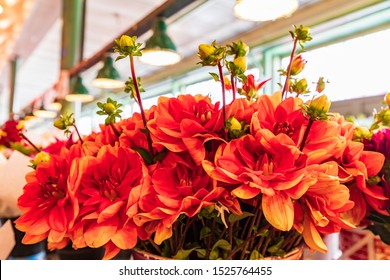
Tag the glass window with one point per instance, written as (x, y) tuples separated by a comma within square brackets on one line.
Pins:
[(354, 68)]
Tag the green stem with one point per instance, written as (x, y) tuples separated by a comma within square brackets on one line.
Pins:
[(286, 83), (117, 133), (234, 85), (155, 246), (139, 101), (78, 134), (223, 92), (29, 141), (307, 131), (189, 222)]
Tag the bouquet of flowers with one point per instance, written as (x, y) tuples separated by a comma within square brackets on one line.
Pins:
[(190, 178)]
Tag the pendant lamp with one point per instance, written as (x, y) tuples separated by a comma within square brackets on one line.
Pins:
[(108, 77), (55, 105), (78, 93), (159, 49), (264, 10), (43, 113)]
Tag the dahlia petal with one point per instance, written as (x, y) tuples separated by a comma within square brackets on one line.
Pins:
[(110, 251), (278, 210), (312, 237), (99, 234), (110, 211)]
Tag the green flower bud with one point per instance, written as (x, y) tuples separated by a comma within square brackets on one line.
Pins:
[(321, 103), (40, 157), (235, 124), (205, 51), (109, 108), (60, 124), (302, 33), (126, 41), (241, 63)]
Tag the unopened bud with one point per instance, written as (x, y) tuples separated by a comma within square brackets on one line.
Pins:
[(387, 99), (109, 108), (297, 65), (321, 104), (60, 124), (205, 50), (126, 41), (241, 63), (40, 157)]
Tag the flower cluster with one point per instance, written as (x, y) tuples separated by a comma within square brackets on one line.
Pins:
[(189, 178), (10, 138), (372, 205)]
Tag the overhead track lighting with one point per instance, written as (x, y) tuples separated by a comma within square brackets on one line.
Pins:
[(159, 49), (264, 10)]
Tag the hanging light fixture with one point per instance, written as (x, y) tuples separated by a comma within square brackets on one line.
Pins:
[(78, 93), (55, 105), (264, 10), (43, 113), (108, 76), (159, 49)]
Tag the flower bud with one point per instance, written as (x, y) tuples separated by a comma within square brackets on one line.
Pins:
[(235, 124), (40, 157), (320, 85), (109, 108), (126, 41), (387, 99), (60, 124), (302, 33), (320, 105), (362, 132), (297, 65), (205, 50), (300, 87), (241, 63)]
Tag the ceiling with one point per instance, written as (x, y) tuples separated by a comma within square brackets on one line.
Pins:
[(37, 42)]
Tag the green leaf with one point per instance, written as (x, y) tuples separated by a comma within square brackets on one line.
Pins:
[(255, 255), (204, 232), (276, 247), (183, 254), (215, 76), (222, 244), (235, 218), (144, 154)]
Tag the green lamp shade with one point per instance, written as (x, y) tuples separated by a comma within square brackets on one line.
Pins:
[(108, 76), (159, 49), (79, 92)]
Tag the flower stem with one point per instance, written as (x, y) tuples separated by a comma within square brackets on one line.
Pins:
[(311, 121), (223, 92), (116, 131), (139, 101), (286, 83), (155, 246), (78, 134), (29, 141), (234, 85)]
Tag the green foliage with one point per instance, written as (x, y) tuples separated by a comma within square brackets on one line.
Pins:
[(111, 109), (380, 225), (64, 123), (130, 87), (127, 46)]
